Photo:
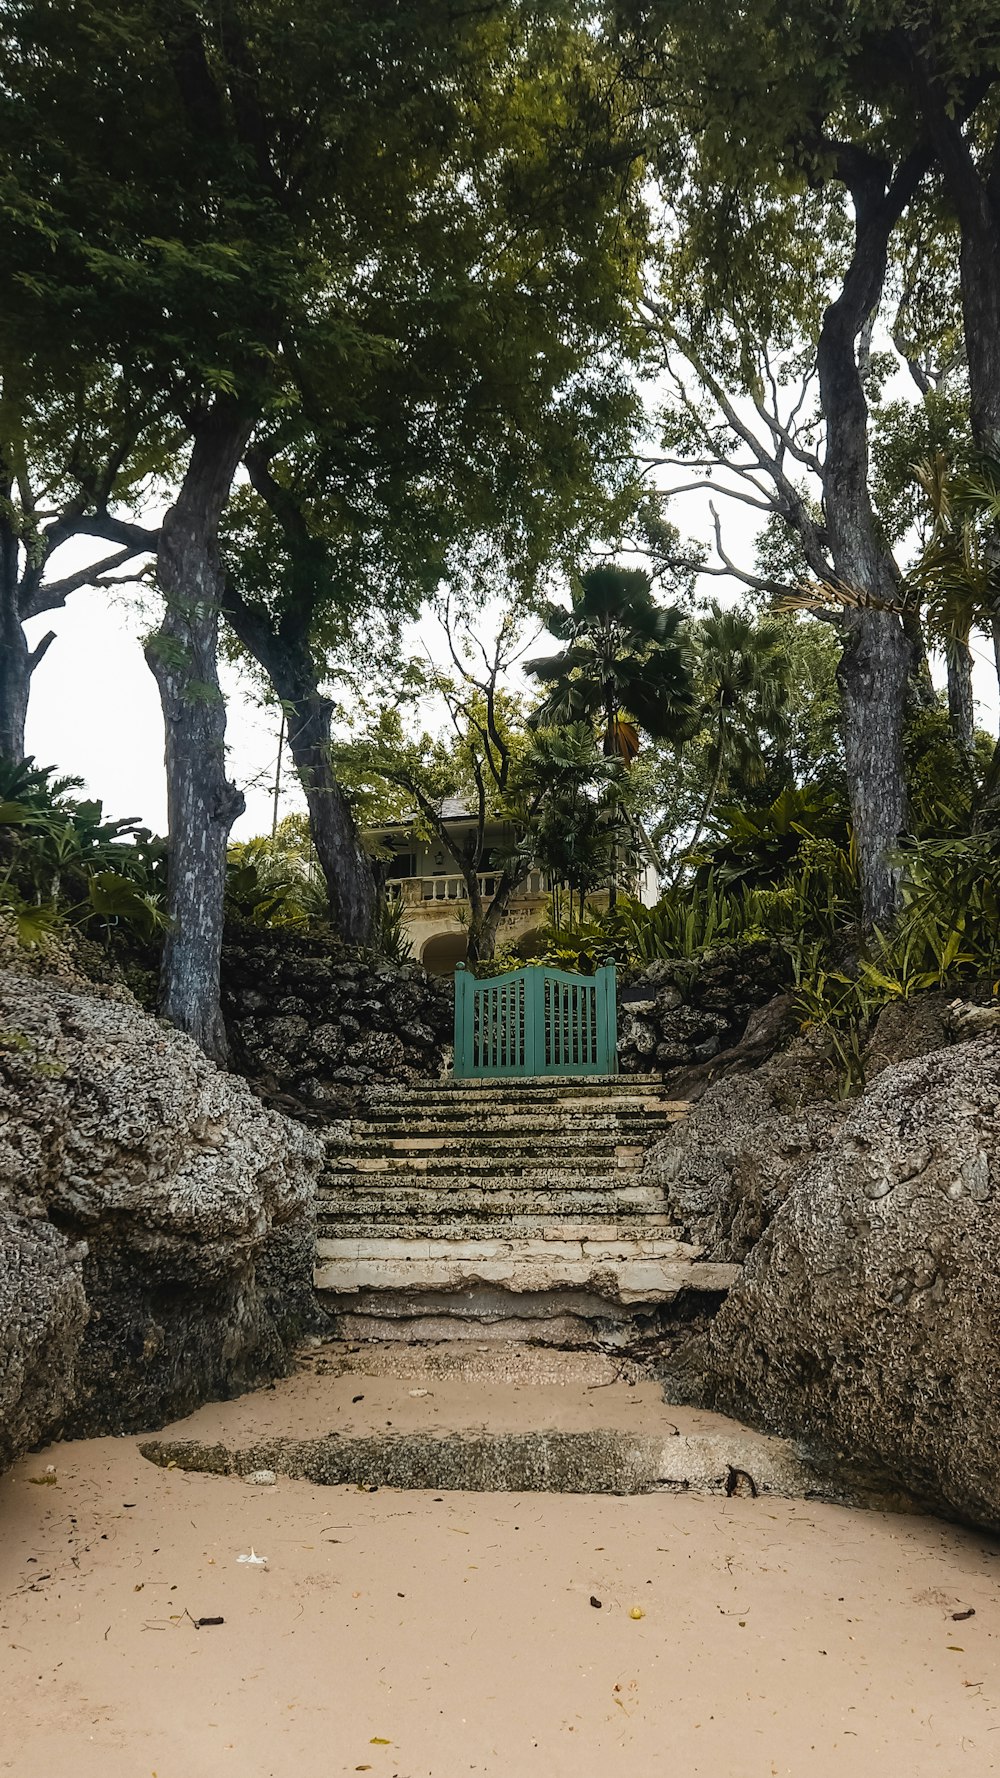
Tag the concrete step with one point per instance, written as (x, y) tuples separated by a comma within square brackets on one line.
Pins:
[(503, 1096), (645, 1124), (549, 1248), (523, 1083), (472, 1142), (459, 1224), (547, 1161), (494, 1416), (554, 1194), (555, 1168), (617, 1281)]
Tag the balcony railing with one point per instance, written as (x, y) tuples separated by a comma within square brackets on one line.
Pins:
[(419, 891)]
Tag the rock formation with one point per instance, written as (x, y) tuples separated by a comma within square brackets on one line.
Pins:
[(684, 1012), (158, 1221), (867, 1316)]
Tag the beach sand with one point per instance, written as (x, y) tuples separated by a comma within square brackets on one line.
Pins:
[(419, 1636)]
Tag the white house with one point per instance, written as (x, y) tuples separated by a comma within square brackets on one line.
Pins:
[(434, 896)]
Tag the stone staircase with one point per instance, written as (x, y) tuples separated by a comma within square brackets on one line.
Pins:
[(506, 1210)]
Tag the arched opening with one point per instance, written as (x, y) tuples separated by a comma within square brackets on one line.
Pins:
[(442, 953)]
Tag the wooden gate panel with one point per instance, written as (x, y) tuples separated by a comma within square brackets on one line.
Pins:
[(535, 1021)]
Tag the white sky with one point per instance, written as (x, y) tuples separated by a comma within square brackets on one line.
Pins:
[(95, 712)]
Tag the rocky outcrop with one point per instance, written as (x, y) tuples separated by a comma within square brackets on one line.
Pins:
[(312, 1025), (43, 1312), (160, 1219), (728, 1166), (868, 1317), (683, 1012)]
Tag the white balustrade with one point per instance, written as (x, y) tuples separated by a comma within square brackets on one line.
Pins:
[(416, 890)]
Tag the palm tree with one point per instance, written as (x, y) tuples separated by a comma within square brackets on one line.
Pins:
[(626, 663), (743, 679), (625, 666)]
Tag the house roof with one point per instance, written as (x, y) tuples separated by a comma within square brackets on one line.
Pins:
[(450, 808)]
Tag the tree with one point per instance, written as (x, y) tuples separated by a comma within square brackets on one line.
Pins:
[(481, 762), (741, 678), (228, 194), (580, 825), (61, 453), (500, 364), (785, 188), (625, 662)]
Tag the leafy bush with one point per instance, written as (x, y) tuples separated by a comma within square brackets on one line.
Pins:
[(61, 862)]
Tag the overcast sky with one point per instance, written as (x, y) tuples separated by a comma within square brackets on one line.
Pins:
[(95, 711)]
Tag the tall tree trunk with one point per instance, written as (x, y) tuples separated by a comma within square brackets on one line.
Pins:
[(920, 692), (15, 669), (873, 675), (17, 660), (482, 946), (877, 659), (287, 661), (961, 703), (201, 802), (350, 879)]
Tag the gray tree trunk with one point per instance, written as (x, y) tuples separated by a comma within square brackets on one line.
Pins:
[(961, 703), (348, 872), (877, 659), (17, 660), (288, 663), (201, 802), (15, 674)]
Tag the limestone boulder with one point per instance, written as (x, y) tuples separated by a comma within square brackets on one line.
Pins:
[(43, 1313), (727, 1167), (164, 1216), (867, 1318)]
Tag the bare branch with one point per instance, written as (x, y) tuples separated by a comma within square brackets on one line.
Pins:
[(52, 595)]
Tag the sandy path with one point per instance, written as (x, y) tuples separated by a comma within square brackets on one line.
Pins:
[(778, 1637)]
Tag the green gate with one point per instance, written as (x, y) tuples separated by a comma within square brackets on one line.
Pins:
[(535, 1021)]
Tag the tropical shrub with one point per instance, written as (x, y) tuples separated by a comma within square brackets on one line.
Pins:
[(62, 863)]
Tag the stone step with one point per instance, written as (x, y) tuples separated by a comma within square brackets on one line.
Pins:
[(515, 1226), (487, 1415), (549, 1248), (619, 1281), (544, 1161), (522, 1083), (401, 1191), (472, 1142), (559, 1119), (518, 1099)]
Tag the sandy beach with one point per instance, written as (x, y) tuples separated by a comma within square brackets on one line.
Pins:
[(419, 1636)]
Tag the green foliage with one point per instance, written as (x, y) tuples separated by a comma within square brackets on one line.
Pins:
[(579, 829), (390, 940), (62, 863), (625, 661), (277, 881), (759, 846), (942, 783)]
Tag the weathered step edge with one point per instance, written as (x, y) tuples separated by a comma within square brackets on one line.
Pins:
[(618, 1281), (595, 1462)]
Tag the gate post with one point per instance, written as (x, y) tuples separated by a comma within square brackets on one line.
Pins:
[(464, 987), (607, 988), (534, 1019)]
